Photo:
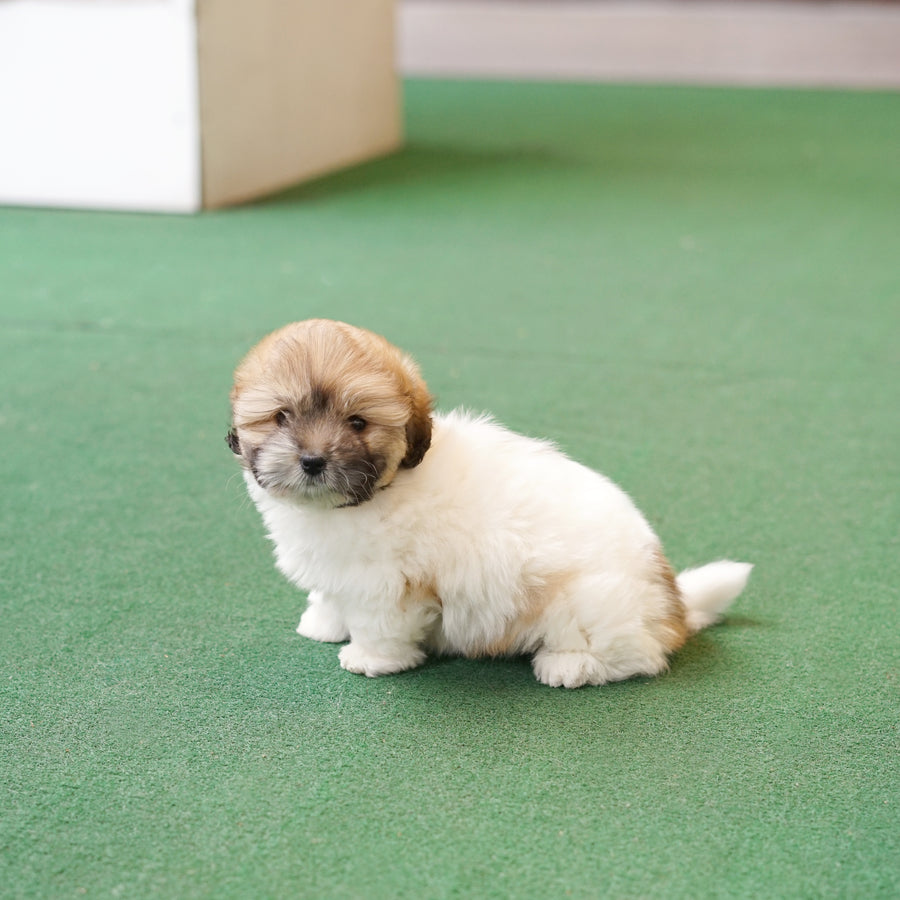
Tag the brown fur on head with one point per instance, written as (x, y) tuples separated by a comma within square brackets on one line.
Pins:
[(324, 410)]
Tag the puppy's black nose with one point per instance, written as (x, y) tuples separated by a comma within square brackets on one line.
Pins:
[(312, 465)]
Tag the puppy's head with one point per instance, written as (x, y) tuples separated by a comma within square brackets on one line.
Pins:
[(326, 413)]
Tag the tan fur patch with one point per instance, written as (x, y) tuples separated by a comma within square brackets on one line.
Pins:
[(361, 371), (536, 598), (670, 628), (420, 592)]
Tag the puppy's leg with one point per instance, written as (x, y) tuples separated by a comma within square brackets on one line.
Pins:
[(322, 620), (386, 639), (598, 634), (565, 658)]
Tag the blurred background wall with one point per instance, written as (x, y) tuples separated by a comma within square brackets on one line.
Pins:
[(764, 42)]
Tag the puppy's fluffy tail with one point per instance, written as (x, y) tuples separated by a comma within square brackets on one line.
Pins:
[(708, 591)]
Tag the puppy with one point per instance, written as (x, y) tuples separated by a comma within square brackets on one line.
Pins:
[(417, 532)]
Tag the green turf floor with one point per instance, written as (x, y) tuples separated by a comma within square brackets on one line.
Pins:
[(696, 291)]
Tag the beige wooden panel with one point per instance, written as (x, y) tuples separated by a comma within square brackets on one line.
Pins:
[(292, 90)]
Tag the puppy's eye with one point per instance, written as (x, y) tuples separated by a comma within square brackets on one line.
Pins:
[(281, 417), (357, 423)]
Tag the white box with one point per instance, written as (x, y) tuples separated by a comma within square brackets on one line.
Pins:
[(180, 105)]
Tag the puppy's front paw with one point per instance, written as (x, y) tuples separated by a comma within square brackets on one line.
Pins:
[(364, 662), (322, 622)]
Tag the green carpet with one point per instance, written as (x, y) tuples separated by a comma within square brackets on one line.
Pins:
[(695, 291)]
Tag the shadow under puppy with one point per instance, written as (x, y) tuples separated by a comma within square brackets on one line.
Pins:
[(416, 532)]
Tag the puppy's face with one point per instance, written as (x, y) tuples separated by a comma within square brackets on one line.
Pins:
[(326, 413)]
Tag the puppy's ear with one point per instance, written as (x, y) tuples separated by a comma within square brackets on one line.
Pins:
[(418, 440), (232, 440), (418, 428)]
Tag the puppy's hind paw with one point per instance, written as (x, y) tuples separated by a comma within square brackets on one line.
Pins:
[(354, 658), (567, 668)]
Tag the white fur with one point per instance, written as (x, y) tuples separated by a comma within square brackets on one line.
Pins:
[(493, 540)]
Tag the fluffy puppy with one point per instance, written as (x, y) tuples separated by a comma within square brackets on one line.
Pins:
[(416, 532)]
